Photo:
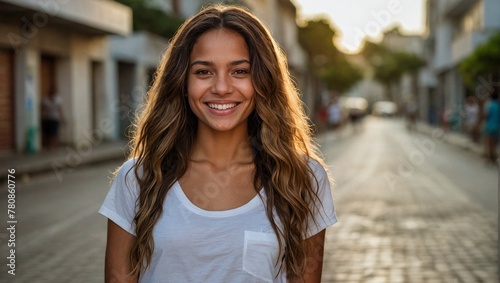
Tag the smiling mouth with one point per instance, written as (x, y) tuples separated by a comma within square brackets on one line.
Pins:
[(224, 106)]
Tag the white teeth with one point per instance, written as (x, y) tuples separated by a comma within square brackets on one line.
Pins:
[(221, 106)]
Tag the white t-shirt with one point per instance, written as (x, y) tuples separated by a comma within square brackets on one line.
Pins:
[(196, 245)]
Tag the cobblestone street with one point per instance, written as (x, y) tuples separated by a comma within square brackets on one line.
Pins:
[(419, 224)]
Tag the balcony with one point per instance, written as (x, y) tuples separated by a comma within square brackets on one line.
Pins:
[(456, 8), (86, 16)]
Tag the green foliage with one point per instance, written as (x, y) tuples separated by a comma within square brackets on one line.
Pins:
[(484, 61), (152, 19), (317, 39), (390, 65), (325, 60), (341, 76), (372, 50), (409, 62)]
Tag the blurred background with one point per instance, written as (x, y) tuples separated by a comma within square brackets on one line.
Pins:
[(399, 94)]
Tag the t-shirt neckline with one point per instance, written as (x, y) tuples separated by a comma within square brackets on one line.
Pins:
[(254, 202)]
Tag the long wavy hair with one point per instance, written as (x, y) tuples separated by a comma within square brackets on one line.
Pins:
[(278, 129)]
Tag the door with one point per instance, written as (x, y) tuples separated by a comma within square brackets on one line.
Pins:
[(7, 109)]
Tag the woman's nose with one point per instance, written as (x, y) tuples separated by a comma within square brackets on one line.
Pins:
[(221, 85)]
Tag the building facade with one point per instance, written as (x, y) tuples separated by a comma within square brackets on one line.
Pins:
[(61, 46), (135, 58), (455, 29)]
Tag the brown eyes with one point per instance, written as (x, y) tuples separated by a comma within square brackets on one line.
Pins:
[(204, 72), (241, 72)]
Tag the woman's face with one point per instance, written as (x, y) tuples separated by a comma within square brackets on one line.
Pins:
[(220, 88)]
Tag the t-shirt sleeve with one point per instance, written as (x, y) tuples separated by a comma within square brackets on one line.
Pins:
[(323, 210), (120, 203)]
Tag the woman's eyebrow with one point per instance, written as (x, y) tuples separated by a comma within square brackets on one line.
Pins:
[(201, 62), (211, 63), (238, 62)]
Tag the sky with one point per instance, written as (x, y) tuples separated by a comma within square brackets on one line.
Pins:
[(356, 19)]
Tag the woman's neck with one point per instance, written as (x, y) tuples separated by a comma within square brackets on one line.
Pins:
[(222, 149)]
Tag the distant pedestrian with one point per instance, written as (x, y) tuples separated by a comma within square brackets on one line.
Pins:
[(52, 118), (322, 119), (472, 120), (411, 110), (334, 114), (492, 127), (224, 183)]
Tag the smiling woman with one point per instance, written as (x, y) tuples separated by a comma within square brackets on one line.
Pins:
[(223, 183)]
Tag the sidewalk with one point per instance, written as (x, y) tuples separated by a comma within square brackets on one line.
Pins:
[(454, 138), (63, 159)]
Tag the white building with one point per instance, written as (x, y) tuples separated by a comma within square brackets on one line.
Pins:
[(135, 60), (455, 29), (62, 45)]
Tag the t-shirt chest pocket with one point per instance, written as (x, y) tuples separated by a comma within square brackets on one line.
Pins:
[(260, 255)]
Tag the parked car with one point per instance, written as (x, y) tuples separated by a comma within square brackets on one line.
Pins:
[(356, 109), (356, 105), (384, 109)]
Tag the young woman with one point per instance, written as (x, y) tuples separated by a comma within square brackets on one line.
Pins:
[(224, 183)]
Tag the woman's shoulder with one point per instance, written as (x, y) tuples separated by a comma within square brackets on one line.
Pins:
[(317, 167), (125, 178), (127, 169), (129, 164)]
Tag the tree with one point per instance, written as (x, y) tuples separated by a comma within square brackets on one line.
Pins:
[(152, 19), (325, 60), (483, 62), (389, 66), (384, 63)]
